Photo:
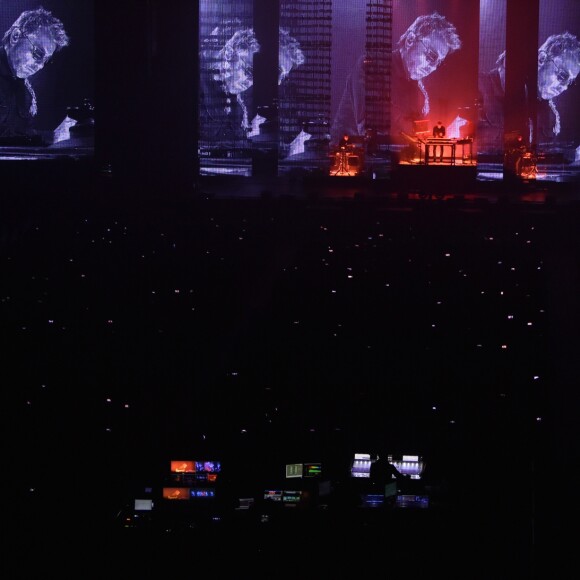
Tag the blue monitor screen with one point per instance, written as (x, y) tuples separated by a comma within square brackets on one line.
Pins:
[(207, 466), (202, 492)]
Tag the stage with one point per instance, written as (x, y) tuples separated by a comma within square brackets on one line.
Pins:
[(435, 177)]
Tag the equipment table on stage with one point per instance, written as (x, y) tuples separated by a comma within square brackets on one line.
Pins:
[(347, 160), (452, 144), (434, 142)]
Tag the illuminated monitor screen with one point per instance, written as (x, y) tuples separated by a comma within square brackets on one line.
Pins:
[(273, 495), (208, 467), (409, 465), (294, 470), (372, 500), (145, 505), (245, 503), (412, 501), (176, 493), (312, 469), (291, 496), (47, 108), (202, 492), (260, 69), (361, 465), (181, 466)]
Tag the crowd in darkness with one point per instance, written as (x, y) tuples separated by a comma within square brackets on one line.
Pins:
[(262, 332)]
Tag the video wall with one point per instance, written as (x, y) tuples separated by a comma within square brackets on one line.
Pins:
[(281, 85), (47, 75), (548, 98)]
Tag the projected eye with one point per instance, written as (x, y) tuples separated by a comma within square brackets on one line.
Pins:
[(430, 55), (563, 76), (38, 54)]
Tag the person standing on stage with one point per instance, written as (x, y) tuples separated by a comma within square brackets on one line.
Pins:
[(438, 133), (344, 142)]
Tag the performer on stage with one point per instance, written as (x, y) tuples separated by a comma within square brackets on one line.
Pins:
[(438, 133), (344, 142)]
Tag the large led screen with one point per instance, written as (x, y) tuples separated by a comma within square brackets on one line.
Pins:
[(282, 85), (46, 79), (558, 114)]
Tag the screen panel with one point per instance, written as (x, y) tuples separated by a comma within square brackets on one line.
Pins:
[(228, 44), (182, 466), (492, 52), (47, 73), (143, 505), (176, 493), (281, 86), (558, 114)]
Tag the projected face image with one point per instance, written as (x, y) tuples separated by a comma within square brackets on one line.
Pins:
[(556, 74), (235, 62), (28, 53), (426, 44), (425, 54), (558, 64), (290, 55), (28, 45)]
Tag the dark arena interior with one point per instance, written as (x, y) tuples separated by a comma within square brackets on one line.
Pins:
[(233, 337)]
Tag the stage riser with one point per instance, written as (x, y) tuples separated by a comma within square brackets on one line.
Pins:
[(434, 177)]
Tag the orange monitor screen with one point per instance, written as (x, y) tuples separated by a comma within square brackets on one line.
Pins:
[(183, 467), (176, 493)]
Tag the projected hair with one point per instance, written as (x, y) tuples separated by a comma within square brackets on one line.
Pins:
[(291, 46), (558, 44), (428, 23), (31, 20)]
